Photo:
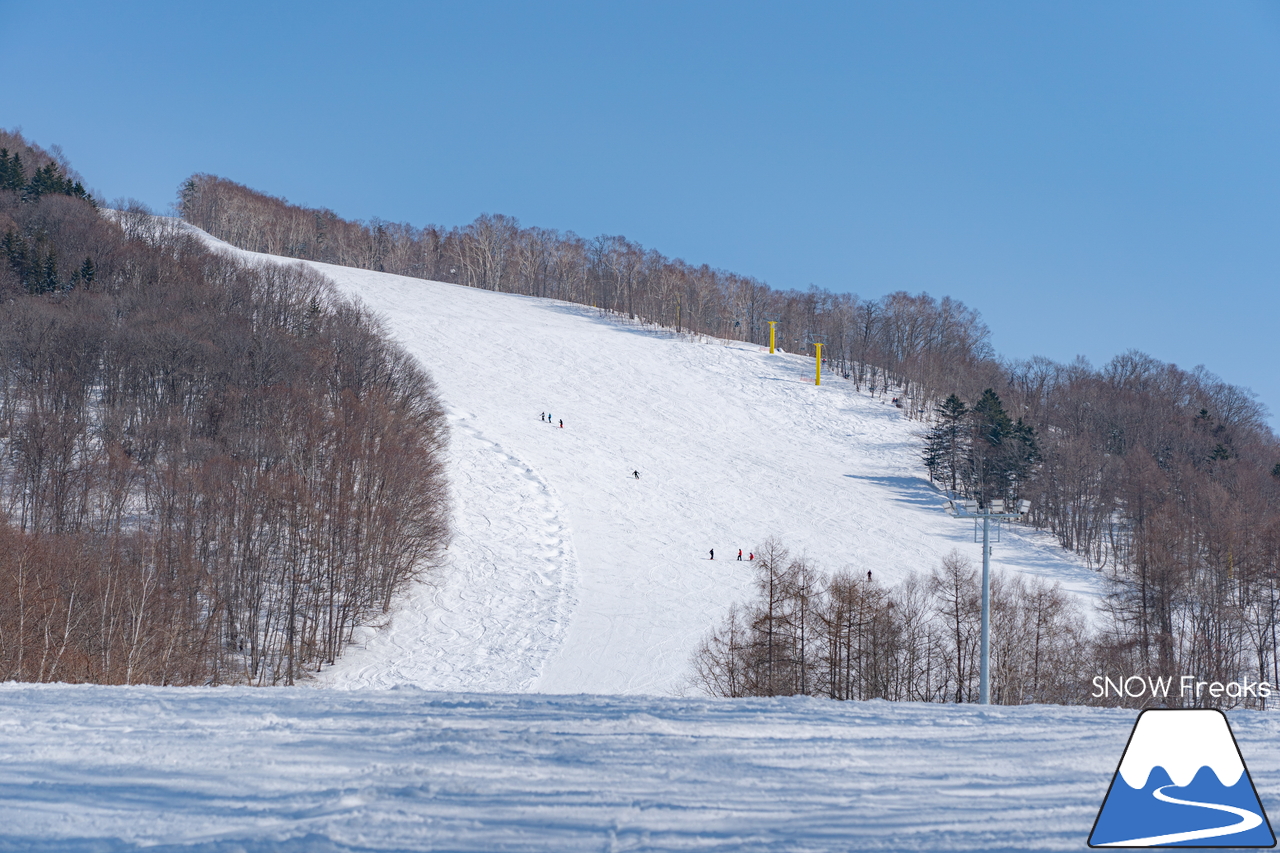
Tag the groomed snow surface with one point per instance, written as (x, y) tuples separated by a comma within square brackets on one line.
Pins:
[(462, 724), (237, 769)]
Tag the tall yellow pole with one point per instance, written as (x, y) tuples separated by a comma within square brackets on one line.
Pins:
[(772, 324), (817, 364)]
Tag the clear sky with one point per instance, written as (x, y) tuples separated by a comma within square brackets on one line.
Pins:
[(1091, 176)]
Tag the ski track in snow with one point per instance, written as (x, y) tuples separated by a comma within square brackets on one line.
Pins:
[(567, 574), (517, 559)]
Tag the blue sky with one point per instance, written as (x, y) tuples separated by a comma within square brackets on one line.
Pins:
[(1091, 177)]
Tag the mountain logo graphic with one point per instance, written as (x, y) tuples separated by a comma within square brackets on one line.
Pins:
[(1181, 783)]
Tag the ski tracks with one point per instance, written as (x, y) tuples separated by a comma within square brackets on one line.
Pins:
[(495, 613)]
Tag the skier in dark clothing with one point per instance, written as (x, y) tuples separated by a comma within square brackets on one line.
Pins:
[(713, 553), (637, 473), (868, 575), (562, 423)]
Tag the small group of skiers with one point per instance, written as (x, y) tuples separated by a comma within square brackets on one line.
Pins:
[(546, 418)]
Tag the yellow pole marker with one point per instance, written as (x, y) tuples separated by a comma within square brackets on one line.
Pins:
[(817, 364), (772, 329)]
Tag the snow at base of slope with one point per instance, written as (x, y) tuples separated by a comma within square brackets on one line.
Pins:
[(228, 770), (566, 573)]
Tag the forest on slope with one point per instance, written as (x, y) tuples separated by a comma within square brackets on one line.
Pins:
[(209, 473), (1167, 481)]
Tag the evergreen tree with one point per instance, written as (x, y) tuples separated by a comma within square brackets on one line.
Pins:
[(1001, 453), (45, 181), (48, 180), (1024, 453), (48, 280), (946, 443), (11, 175), (18, 254), (932, 453)]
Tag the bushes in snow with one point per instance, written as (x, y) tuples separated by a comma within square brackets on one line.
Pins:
[(846, 636)]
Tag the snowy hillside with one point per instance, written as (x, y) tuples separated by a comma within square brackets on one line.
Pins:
[(567, 574), (242, 770)]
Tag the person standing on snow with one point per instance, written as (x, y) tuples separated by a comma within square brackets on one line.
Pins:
[(753, 556), (713, 553), (562, 423), (739, 553), (637, 473)]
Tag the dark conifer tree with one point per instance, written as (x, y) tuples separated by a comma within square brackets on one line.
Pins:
[(11, 175), (932, 454), (1024, 453), (48, 180), (49, 273), (945, 444), (18, 254), (45, 181), (1001, 452)]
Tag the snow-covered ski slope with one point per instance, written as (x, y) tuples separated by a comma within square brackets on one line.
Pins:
[(248, 770), (569, 575)]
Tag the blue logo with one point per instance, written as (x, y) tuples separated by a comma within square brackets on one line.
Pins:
[(1182, 783)]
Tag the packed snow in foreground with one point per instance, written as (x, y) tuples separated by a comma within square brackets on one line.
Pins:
[(568, 574), (237, 769)]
